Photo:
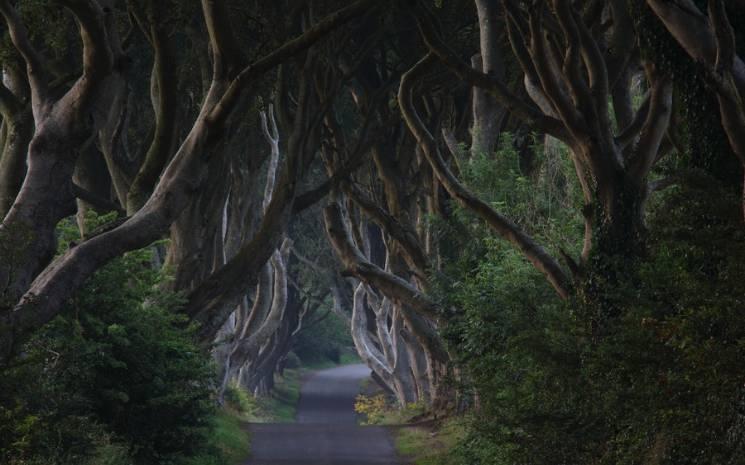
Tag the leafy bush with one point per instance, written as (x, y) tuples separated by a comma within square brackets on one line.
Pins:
[(373, 407), (658, 380), (115, 373), (380, 409), (240, 400)]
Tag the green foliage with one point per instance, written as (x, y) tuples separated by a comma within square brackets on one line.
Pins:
[(543, 203), (659, 380), (326, 340), (647, 371), (115, 375), (428, 446), (240, 401), (292, 361), (47, 28), (227, 443)]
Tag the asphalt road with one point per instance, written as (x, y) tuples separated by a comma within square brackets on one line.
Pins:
[(326, 432)]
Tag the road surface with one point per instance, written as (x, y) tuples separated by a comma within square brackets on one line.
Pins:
[(326, 432)]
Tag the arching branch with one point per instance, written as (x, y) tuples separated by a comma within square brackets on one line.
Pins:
[(508, 230)]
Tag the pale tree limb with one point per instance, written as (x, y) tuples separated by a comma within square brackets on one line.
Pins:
[(365, 348), (273, 139), (250, 343), (164, 100), (270, 299)]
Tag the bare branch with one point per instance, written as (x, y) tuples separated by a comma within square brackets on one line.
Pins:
[(413, 253), (545, 66)]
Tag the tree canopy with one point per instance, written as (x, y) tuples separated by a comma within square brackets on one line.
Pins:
[(529, 210)]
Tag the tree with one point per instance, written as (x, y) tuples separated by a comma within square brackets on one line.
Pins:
[(37, 288)]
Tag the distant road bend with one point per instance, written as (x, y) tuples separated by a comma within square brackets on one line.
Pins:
[(326, 432)]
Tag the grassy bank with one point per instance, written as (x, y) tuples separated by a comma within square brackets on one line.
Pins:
[(419, 440), (229, 442), (280, 406), (428, 444)]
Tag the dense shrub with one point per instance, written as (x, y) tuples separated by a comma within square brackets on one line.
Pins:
[(116, 375), (661, 381)]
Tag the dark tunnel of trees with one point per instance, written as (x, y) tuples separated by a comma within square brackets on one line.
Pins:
[(525, 212)]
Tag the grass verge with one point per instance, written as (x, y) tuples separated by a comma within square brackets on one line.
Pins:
[(280, 406), (228, 442), (428, 445), (418, 442)]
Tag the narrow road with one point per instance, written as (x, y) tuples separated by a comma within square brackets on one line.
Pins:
[(326, 432)]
